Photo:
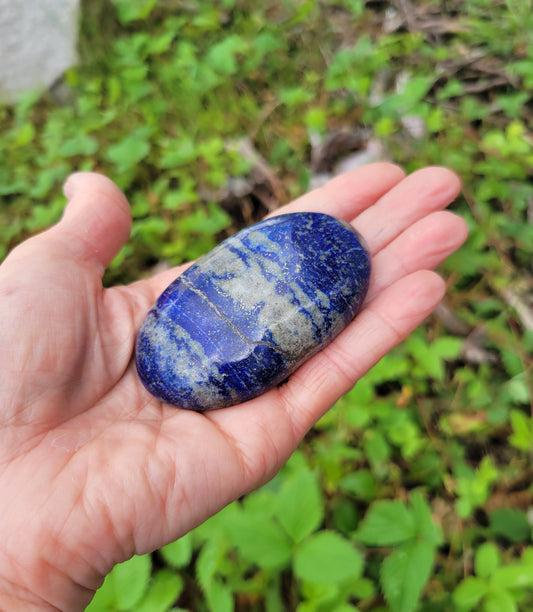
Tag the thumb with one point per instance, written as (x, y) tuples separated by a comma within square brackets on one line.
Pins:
[(95, 225), (96, 222)]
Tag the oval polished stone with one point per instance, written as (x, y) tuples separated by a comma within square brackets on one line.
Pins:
[(243, 317)]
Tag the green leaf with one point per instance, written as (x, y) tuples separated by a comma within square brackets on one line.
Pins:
[(345, 516), (514, 576), (263, 47), (179, 152), (173, 199), (318, 596), (447, 347), (376, 448), (274, 596), (360, 484), (131, 150), (104, 598), (222, 56), (25, 134), (518, 389), (163, 592), (294, 96), (404, 433), (430, 357), (363, 588), (262, 504), (162, 42), (300, 505), (129, 581), (469, 593), (264, 543), (522, 436), (474, 487), (387, 523), (46, 180), (425, 526), (510, 523), (326, 557), (220, 598), (209, 560), (512, 362), (487, 559), (204, 223), (131, 10), (80, 144), (527, 557), (346, 607), (499, 600), (178, 554), (404, 573), (463, 507), (316, 119)]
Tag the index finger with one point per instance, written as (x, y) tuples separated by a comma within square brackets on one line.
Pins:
[(347, 195)]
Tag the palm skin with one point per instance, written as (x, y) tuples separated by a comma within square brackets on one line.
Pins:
[(92, 468)]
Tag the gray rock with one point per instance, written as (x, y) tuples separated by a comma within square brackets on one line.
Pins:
[(37, 44)]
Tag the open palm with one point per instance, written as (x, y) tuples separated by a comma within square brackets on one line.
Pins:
[(92, 468)]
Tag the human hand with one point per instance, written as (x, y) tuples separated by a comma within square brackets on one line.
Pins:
[(93, 469)]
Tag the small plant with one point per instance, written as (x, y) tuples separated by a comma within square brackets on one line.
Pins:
[(275, 532), (473, 487), (163, 92), (522, 436), (131, 586), (496, 587), (411, 531)]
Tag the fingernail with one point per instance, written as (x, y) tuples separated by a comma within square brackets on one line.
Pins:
[(69, 186)]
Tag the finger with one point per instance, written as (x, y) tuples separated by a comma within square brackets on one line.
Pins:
[(418, 195), (95, 224), (97, 220), (422, 246), (348, 194), (344, 197)]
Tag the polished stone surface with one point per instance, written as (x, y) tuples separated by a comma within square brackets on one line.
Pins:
[(242, 318)]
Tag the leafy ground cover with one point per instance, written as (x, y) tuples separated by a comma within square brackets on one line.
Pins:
[(416, 491)]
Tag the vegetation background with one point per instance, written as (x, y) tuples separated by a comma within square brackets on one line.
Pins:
[(416, 491)]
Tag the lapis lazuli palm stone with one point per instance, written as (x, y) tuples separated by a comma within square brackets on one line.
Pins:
[(243, 317)]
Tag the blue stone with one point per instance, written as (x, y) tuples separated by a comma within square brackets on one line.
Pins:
[(246, 315)]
